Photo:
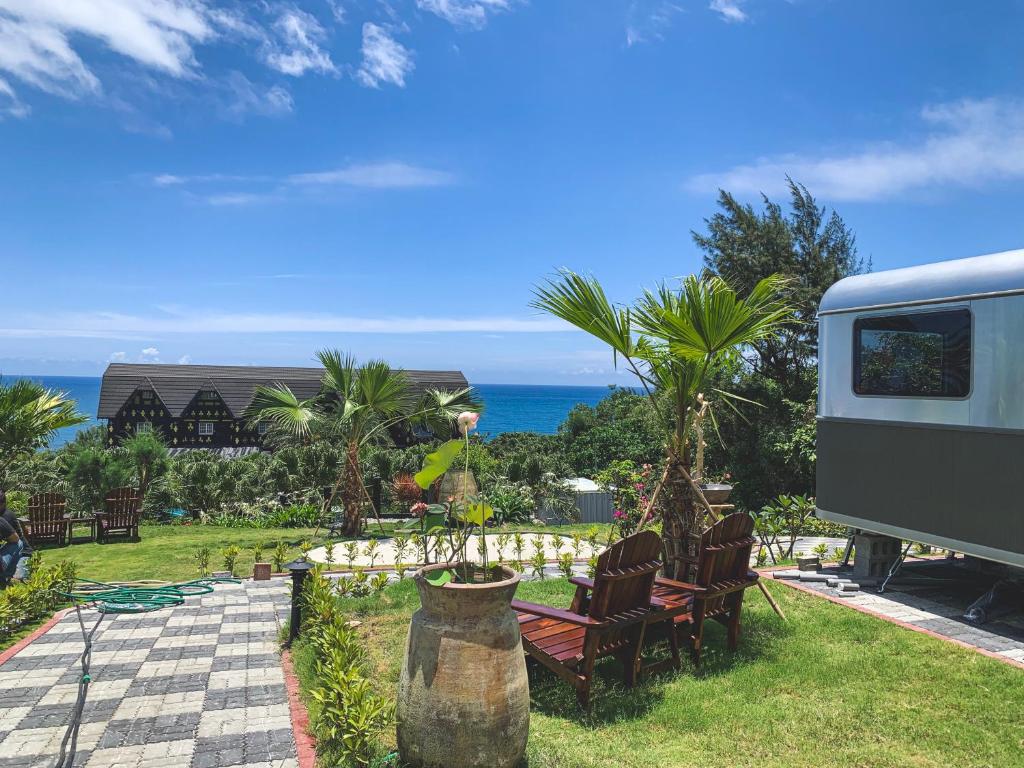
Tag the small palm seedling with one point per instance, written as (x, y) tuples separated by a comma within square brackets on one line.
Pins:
[(518, 544), (379, 582), (372, 551), (202, 556), (351, 552), (577, 544), (565, 564), (401, 546), (329, 553), (280, 556), (502, 540), (537, 563), (230, 554)]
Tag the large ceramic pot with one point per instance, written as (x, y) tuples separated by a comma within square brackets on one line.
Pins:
[(716, 493), (463, 695)]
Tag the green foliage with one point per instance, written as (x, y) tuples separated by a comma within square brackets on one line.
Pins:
[(351, 552), (565, 563), (784, 518), (257, 552), (230, 554), (280, 556), (202, 556), (329, 552), (630, 487), (348, 716), (622, 426), (379, 581), (438, 462), (772, 451), (22, 602), (372, 551), (537, 563), (29, 415)]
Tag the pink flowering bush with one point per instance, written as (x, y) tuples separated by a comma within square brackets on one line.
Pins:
[(630, 488)]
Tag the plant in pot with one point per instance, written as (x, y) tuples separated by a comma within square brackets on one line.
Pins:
[(260, 569), (463, 694)]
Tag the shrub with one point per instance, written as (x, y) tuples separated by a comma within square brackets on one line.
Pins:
[(537, 563), (257, 552), (329, 552), (348, 715), (202, 556), (405, 491), (280, 556), (512, 502), (35, 597), (230, 554), (565, 562)]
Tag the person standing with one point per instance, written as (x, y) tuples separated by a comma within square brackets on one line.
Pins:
[(13, 543)]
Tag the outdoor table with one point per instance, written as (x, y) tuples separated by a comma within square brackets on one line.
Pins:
[(89, 520)]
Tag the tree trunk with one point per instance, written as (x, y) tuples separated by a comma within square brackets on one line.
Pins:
[(352, 494), (682, 524)]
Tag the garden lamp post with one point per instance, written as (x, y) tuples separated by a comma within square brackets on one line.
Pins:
[(298, 568)]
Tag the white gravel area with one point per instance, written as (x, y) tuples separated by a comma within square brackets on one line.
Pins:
[(554, 545)]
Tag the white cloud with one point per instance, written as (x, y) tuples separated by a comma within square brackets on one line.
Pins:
[(385, 60), (117, 357), (648, 21), (378, 176), (188, 320), (967, 143), (35, 38), (185, 360), (729, 10), (299, 48), (243, 97), (150, 352), (13, 107), (464, 13), (237, 199)]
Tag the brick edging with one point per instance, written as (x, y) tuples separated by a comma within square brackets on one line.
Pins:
[(905, 625), (305, 744), (37, 632)]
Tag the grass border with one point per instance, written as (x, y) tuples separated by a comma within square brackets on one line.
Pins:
[(305, 744), (905, 625)]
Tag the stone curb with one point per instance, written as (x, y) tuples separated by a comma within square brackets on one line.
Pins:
[(305, 744)]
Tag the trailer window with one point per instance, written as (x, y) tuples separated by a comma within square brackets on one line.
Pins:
[(918, 354)]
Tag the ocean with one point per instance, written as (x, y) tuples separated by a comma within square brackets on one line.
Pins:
[(507, 407)]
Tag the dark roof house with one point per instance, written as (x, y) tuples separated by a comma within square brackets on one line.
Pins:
[(204, 405)]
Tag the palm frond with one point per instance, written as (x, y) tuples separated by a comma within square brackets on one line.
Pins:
[(581, 302), (278, 406)]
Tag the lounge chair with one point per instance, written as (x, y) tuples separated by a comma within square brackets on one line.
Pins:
[(608, 617), (723, 574), (121, 512), (46, 521)]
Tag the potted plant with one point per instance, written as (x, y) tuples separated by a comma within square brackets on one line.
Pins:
[(463, 694)]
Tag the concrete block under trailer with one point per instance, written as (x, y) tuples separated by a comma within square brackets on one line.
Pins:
[(921, 405)]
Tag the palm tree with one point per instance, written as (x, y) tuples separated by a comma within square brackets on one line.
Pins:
[(356, 404), (29, 415), (673, 340)]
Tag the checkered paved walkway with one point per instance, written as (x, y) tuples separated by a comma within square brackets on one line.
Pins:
[(199, 685)]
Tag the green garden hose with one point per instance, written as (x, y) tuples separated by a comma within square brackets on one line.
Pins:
[(138, 597)]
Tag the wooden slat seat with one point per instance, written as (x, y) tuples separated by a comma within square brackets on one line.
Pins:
[(121, 512), (46, 521), (608, 616), (723, 574)]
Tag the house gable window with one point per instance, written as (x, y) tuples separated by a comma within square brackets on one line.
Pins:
[(143, 426), (205, 427), (914, 354), (262, 428)]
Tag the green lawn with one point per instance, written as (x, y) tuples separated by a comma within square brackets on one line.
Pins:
[(832, 687), (166, 552)]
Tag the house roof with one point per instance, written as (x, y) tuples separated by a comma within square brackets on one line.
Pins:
[(177, 385), (959, 279)]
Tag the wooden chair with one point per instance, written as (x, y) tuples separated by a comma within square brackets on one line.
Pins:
[(608, 616), (120, 515), (46, 519), (723, 574)]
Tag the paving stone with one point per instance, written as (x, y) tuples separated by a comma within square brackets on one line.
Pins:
[(157, 680)]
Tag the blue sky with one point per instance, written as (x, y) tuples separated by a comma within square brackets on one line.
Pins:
[(246, 182)]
